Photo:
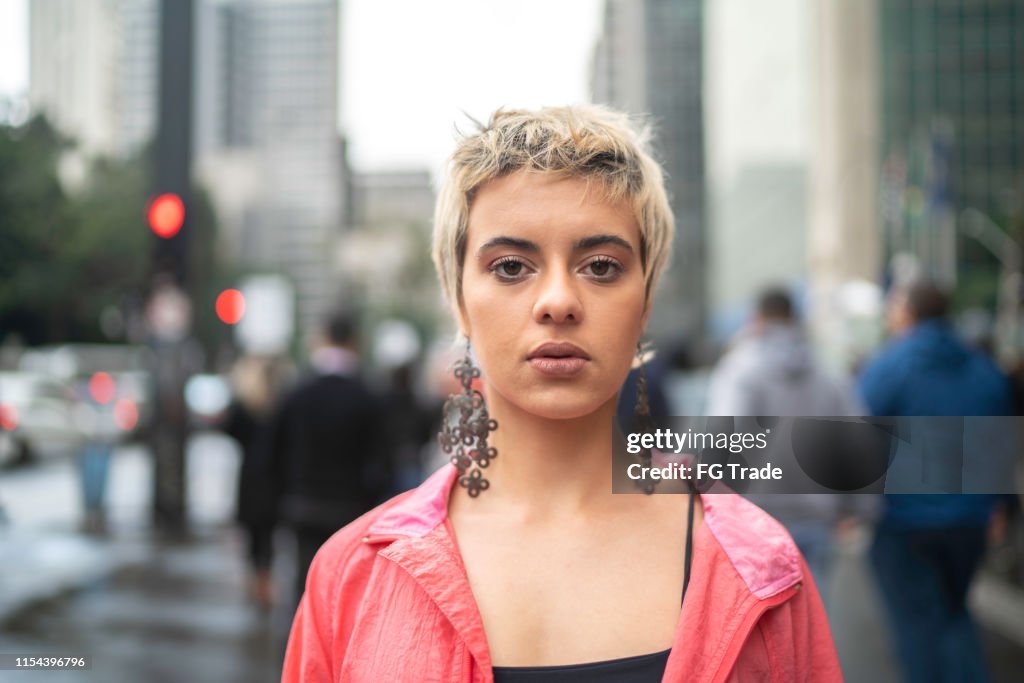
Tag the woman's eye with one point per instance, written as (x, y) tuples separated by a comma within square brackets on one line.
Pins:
[(512, 268), (605, 270), (508, 268)]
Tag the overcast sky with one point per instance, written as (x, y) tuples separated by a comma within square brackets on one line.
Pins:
[(409, 67), (13, 46)]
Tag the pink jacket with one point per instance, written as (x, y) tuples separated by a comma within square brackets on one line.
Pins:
[(387, 599)]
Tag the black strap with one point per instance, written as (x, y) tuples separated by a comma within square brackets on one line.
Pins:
[(689, 547)]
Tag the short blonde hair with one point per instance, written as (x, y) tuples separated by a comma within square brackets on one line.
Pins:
[(590, 142)]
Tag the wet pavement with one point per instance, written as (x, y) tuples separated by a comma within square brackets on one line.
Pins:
[(173, 613), (150, 611), (141, 609)]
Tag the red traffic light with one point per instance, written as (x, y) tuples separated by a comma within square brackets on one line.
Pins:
[(166, 215), (230, 306)]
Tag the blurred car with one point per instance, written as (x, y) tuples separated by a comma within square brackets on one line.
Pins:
[(36, 417), (128, 366), (12, 449), (107, 406)]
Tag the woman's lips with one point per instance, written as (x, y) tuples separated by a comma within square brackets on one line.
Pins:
[(558, 359), (557, 367)]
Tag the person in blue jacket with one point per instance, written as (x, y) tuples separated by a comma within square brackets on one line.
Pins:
[(928, 547)]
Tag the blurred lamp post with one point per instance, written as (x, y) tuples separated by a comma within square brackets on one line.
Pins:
[(169, 311)]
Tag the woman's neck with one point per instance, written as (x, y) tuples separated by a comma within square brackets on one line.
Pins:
[(549, 467)]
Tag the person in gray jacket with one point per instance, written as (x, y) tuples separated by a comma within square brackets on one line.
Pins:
[(771, 370)]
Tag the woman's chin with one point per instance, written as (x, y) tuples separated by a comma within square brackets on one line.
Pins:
[(561, 407)]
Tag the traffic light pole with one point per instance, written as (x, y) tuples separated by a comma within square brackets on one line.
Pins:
[(169, 309)]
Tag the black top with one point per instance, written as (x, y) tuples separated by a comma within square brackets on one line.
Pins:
[(639, 669)]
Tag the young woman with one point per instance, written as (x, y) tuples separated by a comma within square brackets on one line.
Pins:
[(551, 231)]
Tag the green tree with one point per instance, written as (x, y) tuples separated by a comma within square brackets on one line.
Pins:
[(65, 258), (36, 222), (107, 259)]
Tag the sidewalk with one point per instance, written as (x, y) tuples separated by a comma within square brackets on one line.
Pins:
[(39, 566), (163, 613), (42, 552), (143, 610)]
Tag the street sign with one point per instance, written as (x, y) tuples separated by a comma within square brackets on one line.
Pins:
[(269, 321)]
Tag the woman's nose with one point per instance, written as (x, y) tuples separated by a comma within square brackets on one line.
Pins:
[(558, 301)]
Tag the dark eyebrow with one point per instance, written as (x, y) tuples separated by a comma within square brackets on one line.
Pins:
[(580, 245), (598, 240), (514, 242)]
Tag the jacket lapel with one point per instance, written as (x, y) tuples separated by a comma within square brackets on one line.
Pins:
[(434, 563), (421, 541)]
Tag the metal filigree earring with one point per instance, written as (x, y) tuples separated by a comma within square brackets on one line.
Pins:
[(642, 420), (465, 427)]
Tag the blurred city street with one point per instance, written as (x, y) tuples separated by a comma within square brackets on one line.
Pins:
[(223, 333), (146, 610), (141, 608)]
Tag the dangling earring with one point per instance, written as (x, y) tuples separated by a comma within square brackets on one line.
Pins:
[(642, 420), (466, 440), (642, 411)]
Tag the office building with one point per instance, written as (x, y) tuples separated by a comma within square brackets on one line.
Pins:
[(649, 61)]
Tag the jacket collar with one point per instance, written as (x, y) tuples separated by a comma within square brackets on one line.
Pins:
[(420, 512), (744, 564), (757, 546)]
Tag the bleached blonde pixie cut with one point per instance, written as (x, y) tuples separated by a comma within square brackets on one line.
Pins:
[(589, 142)]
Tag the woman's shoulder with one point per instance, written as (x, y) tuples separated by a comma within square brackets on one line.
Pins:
[(349, 543), (409, 514)]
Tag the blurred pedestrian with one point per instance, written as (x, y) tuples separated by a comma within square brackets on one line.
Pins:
[(257, 383), (95, 419), (411, 427), (927, 547), (772, 370), (325, 456)]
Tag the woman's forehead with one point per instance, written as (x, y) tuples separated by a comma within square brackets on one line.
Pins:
[(548, 208)]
